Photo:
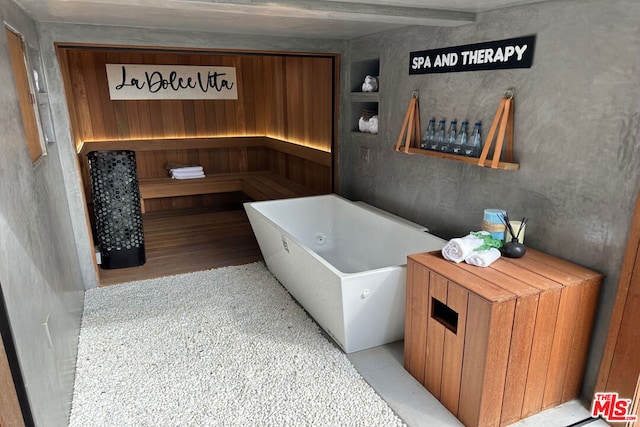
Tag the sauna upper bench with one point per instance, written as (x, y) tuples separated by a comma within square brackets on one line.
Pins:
[(261, 167)]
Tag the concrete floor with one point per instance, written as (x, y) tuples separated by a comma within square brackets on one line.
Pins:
[(382, 367)]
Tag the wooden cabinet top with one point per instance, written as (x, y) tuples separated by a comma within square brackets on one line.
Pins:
[(511, 278)]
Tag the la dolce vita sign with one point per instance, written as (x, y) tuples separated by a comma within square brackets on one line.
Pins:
[(143, 81), (494, 55)]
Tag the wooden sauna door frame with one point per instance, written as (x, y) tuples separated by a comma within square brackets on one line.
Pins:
[(619, 346)]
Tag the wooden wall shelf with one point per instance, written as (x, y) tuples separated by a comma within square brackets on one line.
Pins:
[(463, 159)]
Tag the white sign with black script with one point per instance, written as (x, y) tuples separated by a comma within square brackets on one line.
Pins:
[(144, 81)]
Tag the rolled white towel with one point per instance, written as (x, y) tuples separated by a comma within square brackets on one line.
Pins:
[(483, 258), (458, 249), (188, 169)]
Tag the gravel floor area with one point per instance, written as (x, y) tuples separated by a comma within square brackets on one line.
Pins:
[(224, 347)]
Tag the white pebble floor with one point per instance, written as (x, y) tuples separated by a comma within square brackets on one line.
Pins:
[(224, 347)]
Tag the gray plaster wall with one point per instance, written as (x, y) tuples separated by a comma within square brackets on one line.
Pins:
[(51, 33), (577, 117), (39, 269)]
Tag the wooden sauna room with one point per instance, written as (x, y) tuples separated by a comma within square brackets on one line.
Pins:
[(276, 140)]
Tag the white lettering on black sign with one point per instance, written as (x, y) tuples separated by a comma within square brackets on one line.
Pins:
[(495, 55)]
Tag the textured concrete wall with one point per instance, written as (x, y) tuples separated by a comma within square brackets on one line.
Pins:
[(64, 33), (577, 118), (39, 269)]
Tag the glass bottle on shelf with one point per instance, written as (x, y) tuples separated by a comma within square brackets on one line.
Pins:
[(439, 137), (461, 139), (429, 135), (450, 139), (474, 144)]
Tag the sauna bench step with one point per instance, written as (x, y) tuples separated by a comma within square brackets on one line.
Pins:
[(259, 185)]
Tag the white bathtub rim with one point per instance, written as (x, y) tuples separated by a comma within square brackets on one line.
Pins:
[(391, 217), (315, 255)]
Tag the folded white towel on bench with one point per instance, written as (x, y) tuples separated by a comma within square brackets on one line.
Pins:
[(186, 169), (188, 177)]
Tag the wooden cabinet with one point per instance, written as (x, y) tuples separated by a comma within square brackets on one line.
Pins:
[(501, 343)]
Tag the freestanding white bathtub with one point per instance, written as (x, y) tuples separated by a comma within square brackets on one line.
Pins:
[(343, 262)]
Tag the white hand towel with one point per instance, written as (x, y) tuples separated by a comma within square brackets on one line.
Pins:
[(458, 249), (188, 169), (483, 258)]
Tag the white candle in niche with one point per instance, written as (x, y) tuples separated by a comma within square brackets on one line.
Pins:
[(515, 225)]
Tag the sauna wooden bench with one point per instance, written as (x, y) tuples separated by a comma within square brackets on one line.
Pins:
[(258, 185), (501, 343)]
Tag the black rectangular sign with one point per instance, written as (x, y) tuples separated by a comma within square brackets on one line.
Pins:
[(494, 55)]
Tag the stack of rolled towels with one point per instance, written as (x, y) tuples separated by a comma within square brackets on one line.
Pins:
[(187, 172), (477, 248)]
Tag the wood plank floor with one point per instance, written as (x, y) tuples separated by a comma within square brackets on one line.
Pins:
[(183, 241)]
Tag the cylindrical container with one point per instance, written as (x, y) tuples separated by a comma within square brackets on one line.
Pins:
[(492, 222), (515, 225)]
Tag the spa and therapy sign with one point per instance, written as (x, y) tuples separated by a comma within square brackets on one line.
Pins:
[(143, 81), (494, 55)]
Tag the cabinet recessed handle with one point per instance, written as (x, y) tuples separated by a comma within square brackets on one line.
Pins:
[(444, 315)]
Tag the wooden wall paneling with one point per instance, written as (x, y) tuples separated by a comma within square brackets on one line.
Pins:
[(108, 112), (247, 101), (275, 77), (90, 77), (319, 83), (279, 95), (259, 95), (293, 97), (80, 98), (116, 111)]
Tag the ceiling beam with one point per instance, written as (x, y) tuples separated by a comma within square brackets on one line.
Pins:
[(340, 11)]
